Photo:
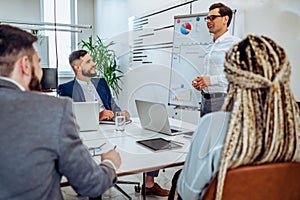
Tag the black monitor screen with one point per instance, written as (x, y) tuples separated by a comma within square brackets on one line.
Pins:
[(49, 79)]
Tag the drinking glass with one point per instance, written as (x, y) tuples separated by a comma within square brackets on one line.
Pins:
[(120, 120)]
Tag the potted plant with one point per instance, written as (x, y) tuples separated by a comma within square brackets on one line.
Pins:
[(106, 62)]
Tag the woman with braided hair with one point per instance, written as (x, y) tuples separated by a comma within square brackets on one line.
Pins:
[(260, 121)]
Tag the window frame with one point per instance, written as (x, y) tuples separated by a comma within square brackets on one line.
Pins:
[(73, 35)]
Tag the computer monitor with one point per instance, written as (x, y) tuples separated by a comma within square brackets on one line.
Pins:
[(49, 79)]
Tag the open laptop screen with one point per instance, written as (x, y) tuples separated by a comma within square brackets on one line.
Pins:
[(154, 116), (87, 115)]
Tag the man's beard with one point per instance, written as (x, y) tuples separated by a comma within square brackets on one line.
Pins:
[(35, 83), (89, 74)]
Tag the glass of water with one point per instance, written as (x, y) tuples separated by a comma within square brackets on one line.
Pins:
[(120, 120)]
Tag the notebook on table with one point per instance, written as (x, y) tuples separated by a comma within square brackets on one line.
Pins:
[(109, 122), (112, 122), (87, 115), (154, 116)]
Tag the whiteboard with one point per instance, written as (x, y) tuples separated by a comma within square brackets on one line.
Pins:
[(190, 40)]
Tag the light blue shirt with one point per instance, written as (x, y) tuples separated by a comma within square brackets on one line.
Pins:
[(202, 162), (214, 62)]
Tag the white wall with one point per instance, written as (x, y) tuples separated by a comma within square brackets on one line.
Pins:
[(28, 10), (279, 20), (111, 16), (85, 11)]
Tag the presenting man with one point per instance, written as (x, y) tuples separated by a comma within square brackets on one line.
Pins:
[(213, 84), (39, 141)]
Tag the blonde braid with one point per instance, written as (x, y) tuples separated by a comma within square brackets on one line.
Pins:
[(264, 124)]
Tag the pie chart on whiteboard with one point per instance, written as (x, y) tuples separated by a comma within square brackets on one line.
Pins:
[(185, 28)]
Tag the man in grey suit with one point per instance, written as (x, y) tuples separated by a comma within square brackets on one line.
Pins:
[(39, 140)]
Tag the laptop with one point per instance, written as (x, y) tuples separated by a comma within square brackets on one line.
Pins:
[(87, 115), (154, 116)]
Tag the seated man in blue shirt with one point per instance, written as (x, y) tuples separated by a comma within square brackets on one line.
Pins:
[(85, 88)]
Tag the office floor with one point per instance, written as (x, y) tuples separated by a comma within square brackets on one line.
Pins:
[(164, 179)]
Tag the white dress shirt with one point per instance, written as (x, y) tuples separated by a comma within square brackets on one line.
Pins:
[(214, 62), (13, 81), (90, 93)]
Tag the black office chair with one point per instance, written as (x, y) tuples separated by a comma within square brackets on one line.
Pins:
[(137, 187)]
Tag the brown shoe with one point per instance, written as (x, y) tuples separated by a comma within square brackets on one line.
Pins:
[(157, 190)]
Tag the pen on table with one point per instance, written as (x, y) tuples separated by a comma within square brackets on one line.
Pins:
[(102, 145), (99, 147)]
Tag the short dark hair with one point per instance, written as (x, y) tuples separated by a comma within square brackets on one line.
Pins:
[(76, 55), (14, 43), (223, 10)]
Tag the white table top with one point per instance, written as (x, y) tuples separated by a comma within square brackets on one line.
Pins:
[(137, 158)]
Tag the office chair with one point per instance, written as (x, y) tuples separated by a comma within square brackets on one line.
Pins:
[(274, 181), (137, 187)]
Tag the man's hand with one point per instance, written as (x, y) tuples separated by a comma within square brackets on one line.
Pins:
[(106, 115), (201, 82), (113, 156), (127, 115)]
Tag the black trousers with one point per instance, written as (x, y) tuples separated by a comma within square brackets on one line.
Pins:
[(211, 104)]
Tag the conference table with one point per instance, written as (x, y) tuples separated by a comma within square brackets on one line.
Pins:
[(137, 158)]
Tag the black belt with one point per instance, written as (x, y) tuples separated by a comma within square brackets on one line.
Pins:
[(213, 95)]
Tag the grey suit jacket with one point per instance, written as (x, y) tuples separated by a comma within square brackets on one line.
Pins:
[(39, 143)]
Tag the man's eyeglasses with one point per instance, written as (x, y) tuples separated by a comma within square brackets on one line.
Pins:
[(211, 17)]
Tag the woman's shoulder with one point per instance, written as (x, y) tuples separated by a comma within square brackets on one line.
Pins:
[(213, 124), (214, 117)]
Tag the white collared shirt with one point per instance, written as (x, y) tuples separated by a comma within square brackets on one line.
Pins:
[(214, 62), (13, 81), (90, 93)]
